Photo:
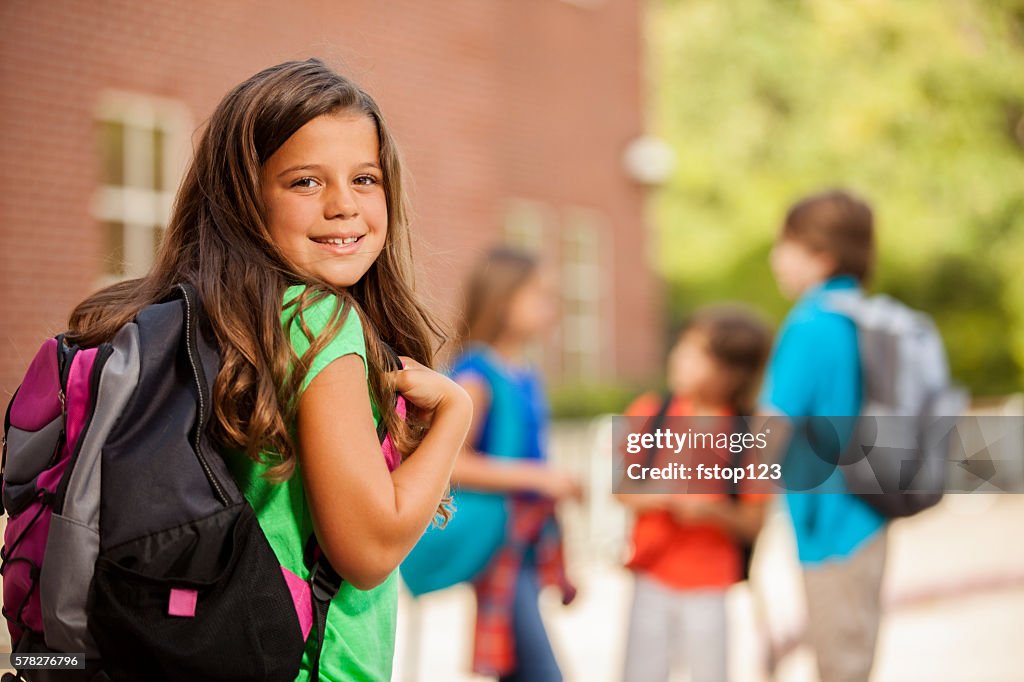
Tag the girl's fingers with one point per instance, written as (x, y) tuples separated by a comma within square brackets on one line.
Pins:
[(408, 362), (410, 378), (396, 375), (403, 379)]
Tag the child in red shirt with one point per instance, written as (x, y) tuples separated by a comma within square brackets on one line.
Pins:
[(687, 548)]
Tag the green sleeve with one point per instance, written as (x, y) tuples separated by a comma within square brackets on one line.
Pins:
[(349, 338)]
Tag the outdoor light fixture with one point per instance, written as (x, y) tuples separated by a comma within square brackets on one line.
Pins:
[(649, 160)]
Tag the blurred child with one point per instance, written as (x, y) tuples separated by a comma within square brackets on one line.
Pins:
[(510, 303), (689, 548), (826, 245)]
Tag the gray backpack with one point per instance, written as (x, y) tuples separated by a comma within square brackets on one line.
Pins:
[(899, 452)]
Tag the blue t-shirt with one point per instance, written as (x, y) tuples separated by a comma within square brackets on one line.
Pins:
[(516, 422), (815, 371)]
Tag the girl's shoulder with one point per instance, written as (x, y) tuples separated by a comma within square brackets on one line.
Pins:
[(652, 403), (316, 311), (470, 358), (645, 405), (483, 360), (309, 315), (315, 306)]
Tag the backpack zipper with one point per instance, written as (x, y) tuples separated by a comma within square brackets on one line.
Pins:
[(196, 373), (65, 358), (103, 353), (63, 435)]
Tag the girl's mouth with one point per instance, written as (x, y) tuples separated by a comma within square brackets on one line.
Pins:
[(339, 245)]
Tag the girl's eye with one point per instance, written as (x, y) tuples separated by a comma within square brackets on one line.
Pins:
[(366, 180), (305, 183)]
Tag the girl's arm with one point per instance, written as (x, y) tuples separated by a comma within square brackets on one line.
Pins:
[(366, 518), (741, 519), (480, 472), (640, 502)]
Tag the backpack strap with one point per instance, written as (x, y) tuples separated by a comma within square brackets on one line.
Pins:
[(657, 422), (324, 584), (736, 459), (394, 362)]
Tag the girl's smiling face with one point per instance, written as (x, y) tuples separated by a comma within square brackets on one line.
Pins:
[(323, 192), (691, 366)]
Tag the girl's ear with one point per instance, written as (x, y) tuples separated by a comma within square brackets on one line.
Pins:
[(828, 264)]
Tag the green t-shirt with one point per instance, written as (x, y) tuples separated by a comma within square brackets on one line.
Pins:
[(360, 637)]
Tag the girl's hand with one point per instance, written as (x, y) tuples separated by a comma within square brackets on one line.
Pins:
[(559, 486), (692, 508), (428, 390)]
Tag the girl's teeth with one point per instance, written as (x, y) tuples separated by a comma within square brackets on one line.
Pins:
[(340, 242)]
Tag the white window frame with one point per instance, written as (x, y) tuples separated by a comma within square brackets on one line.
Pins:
[(586, 333), (526, 222), (137, 204)]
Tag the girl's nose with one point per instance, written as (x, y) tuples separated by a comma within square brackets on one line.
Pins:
[(341, 203)]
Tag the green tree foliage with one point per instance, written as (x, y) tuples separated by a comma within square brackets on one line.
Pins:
[(916, 104)]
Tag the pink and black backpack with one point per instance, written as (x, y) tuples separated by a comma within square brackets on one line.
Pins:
[(128, 540)]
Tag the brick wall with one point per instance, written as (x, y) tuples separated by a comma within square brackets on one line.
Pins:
[(489, 100)]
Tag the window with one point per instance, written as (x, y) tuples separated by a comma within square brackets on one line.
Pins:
[(143, 143), (572, 240), (583, 330), (525, 222)]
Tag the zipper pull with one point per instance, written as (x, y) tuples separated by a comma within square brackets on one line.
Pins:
[(63, 409)]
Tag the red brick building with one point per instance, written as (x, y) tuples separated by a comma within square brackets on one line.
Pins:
[(512, 117)]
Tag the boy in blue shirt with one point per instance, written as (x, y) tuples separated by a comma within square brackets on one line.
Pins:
[(827, 245)]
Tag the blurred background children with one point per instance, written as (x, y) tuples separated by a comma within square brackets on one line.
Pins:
[(689, 548)]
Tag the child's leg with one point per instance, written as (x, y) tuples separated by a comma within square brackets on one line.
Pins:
[(535, 660), (652, 633), (844, 610), (705, 635)]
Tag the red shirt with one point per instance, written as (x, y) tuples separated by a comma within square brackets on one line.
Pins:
[(684, 555)]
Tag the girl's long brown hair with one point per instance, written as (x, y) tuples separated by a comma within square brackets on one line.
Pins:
[(489, 293), (218, 240)]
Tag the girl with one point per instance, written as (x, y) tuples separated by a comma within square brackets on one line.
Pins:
[(510, 304), (689, 548), (291, 225)]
